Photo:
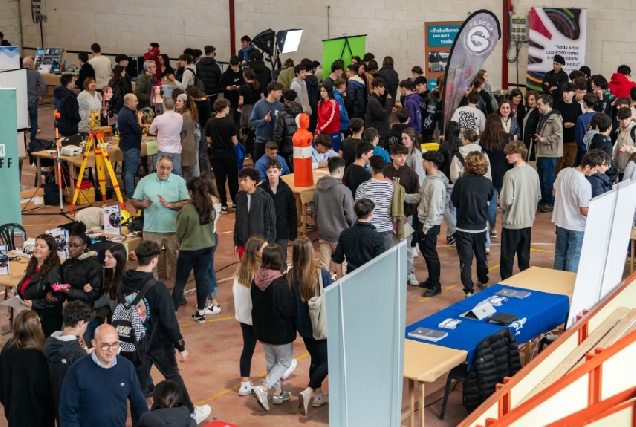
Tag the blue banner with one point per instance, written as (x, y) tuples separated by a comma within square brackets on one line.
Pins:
[(442, 35)]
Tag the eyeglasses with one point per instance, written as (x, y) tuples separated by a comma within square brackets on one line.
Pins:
[(105, 346), (75, 246)]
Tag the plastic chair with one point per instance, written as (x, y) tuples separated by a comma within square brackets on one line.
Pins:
[(459, 374), (8, 232)]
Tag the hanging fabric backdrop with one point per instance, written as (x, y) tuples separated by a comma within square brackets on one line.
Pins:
[(342, 48)]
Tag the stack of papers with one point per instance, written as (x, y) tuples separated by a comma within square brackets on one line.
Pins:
[(427, 334), (510, 293), (450, 323)]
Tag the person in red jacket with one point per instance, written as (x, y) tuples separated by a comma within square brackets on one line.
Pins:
[(620, 84), (153, 55), (329, 116)]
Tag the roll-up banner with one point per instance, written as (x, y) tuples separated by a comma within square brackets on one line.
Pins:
[(475, 41)]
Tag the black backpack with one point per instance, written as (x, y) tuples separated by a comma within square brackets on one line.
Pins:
[(198, 83)]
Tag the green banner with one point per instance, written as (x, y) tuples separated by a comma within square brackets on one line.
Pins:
[(9, 163), (342, 48)]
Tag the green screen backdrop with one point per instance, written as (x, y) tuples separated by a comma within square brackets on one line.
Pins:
[(9, 161), (332, 50)]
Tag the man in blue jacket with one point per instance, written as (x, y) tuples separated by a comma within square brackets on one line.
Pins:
[(340, 86), (130, 130), (264, 117), (355, 92)]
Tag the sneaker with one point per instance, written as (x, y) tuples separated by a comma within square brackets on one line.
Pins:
[(198, 317), (233, 208), (303, 401), (493, 234), (425, 284), (546, 208), (320, 399), (201, 413), (289, 370), (261, 397), (468, 294), (212, 309), (433, 290), (246, 388), (450, 240), (223, 209), (277, 399), (487, 251), (309, 228), (482, 286), (183, 300), (412, 280)]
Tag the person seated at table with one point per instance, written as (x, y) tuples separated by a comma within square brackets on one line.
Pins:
[(66, 104), (271, 152), (167, 127), (88, 100), (130, 131), (321, 154), (86, 70), (35, 289)]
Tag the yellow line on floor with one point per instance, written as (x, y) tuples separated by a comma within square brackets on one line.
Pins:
[(236, 387), (207, 321), (540, 250)]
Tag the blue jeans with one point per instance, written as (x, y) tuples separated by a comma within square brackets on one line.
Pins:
[(492, 207), (33, 118), (545, 169), (131, 162), (176, 161), (567, 253), (210, 274)]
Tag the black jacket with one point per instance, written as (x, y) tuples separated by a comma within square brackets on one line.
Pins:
[(359, 244), (69, 110), (391, 80), (552, 78), (428, 111), (161, 321), (274, 312), (285, 206), (210, 74), (376, 116), (39, 285), (498, 166), (471, 194), (129, 129), (167, 417), (570, 113), (25, 392), (260, 221), (604, 142), (444, 149), (286, 127), (117, 100), (60, 355), (313, 93), (395, 135), (530, 129), (86, 70), (263, 75), (230, 78), (79, 271), (496, 357)]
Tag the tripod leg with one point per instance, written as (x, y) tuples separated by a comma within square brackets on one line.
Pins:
[(87, 151), (113, 179), (99, 169)]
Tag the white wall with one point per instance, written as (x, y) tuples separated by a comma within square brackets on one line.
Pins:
[(394, 27), (10, 21)]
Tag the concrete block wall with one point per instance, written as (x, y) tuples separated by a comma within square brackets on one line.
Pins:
[(10, 21), (394, 27)]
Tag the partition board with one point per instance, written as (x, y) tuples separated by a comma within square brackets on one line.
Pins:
[(9, 159), (16, 79), (366, 315)]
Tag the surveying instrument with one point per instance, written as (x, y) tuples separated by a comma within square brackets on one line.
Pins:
[(96, 141)]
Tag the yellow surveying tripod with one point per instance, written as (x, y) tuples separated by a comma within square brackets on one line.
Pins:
[(96, 140)]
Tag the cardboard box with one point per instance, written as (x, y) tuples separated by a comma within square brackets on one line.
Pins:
[(86, 196), (31, 198), (112, 220)]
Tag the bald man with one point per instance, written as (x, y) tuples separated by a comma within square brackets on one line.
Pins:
[(97, 387), (130, 130), (34, 79)]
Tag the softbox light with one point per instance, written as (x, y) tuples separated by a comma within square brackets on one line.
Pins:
[(265, 41), (288, 40)]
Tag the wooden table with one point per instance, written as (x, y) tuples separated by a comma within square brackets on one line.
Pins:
[(632, 241), (303, 196)]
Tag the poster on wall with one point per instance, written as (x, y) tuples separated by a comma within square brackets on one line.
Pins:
[(475, 41), (9, 58), (555, 31), (438, 40)]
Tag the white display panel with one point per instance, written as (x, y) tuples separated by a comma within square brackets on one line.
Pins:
[(16, 79)]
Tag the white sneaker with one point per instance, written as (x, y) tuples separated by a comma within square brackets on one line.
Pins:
[(289, 370), (320, 399), (212, 309), (246, 388), (201, 413), (412, 280), (487, 251)]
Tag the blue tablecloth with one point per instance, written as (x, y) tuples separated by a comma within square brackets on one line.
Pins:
[(538, 313)]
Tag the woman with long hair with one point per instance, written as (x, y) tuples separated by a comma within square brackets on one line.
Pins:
[(329, 116), (305, 276), (508, 121), (164, 66), (273, 315), (185, 106), (210, 275), (167, 408), (119, 90), (411, 141), (35, 289), (88, 100), (195, 236), (484, 74), (204, 112), (530, 122), (493, 140), (248, 266), (517, 107), (25, 389), (449, 148), (115, 259)]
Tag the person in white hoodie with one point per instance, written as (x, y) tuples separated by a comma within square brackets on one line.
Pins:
[(300, 86), (189, 74), (470, 139)]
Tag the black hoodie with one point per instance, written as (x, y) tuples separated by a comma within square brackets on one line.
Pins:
[(263, 75), (259, 221), (285, 206), (160, 318), (66, 104), (286, 127), (231, 78), (210, 74), (167, 417)]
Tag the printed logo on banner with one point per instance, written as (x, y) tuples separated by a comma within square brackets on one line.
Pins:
[(478, 39)]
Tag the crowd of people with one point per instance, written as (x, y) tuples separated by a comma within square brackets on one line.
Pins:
[(539, 152)]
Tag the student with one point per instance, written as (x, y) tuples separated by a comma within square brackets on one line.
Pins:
[(332, 209), (403, 117), (195, 236), (570, 112), (630, 169), (355, 174), (625, 136), (428, 108), (248, 266), (220, 134), (530, 122), (412, 103), (582, 125), (322, 152), (360, 243), (250, 92), (603, 141), (115, 259), (572, 192), (271, 153), (520, 194), (339, 93), (581, 91), (410, 140), (167, 408), (284, 205), (486, 101), (377, 111), (231, 81), (469, 117), (356, 89), (210, 275), (305, 276), (371, 135), (286, 126), (431, 201), (554, 79), (65, 347), (470, 143), (379, 190), (299, 86), (599, 181), (471, 195), (620, 85), (329, 116), (449, 148), (255, 212), (348, 148), (273, 316), (605, 98)]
